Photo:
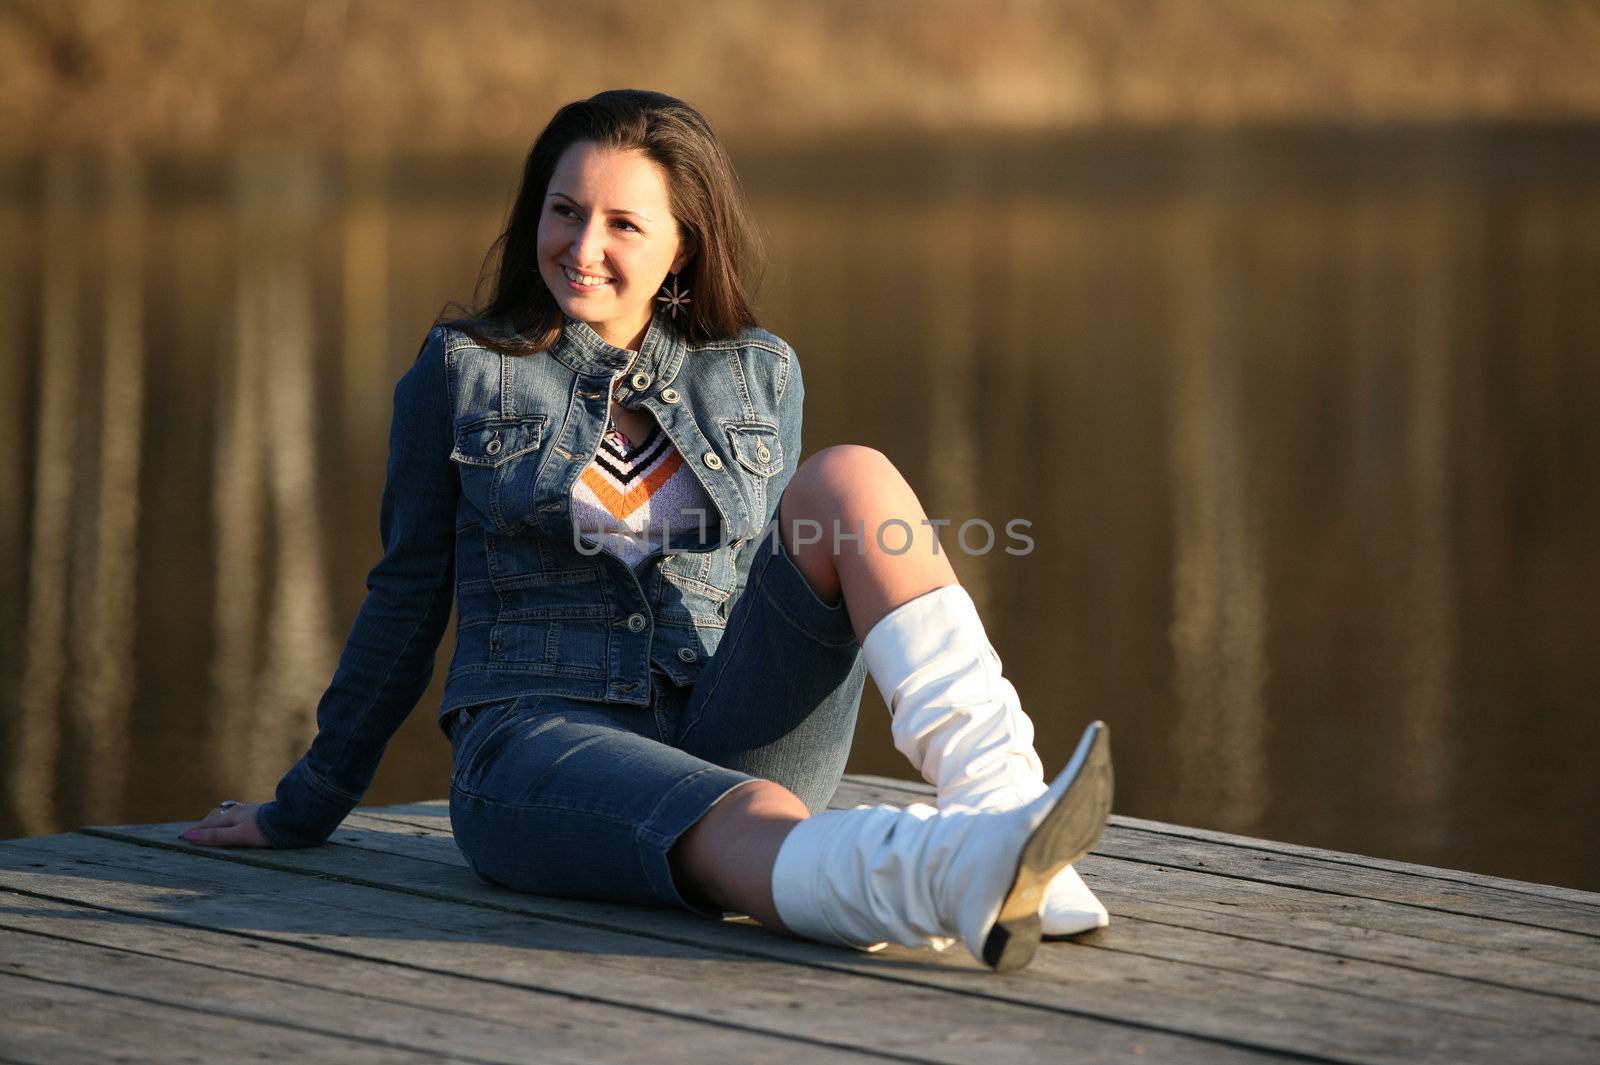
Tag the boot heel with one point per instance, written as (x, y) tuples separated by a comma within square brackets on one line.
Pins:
[(1011, 943), (1075, 819)]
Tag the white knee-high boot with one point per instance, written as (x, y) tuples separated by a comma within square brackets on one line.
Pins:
[(919, 876), (960, 723)]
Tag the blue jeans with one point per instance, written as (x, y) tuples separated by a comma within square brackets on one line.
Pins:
[(554, 795)]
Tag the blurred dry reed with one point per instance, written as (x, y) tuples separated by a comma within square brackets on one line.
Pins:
[(370, 74)]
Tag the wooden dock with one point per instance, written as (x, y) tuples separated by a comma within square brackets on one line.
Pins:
[(126, 944)]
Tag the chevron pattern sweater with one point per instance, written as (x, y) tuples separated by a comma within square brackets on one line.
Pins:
[(634, 494)]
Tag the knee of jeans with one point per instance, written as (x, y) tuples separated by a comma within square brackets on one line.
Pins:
[(818, 795)]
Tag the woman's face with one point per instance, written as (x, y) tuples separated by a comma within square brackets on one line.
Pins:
[(607, 239)]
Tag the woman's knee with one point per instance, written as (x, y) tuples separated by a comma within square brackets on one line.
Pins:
[(746, 810), (826, 506), (826, 481)]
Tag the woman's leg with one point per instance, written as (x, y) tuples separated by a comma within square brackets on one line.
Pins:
[(857, 531), (726, 858), (778, 700), (918, 876), (555, 796)]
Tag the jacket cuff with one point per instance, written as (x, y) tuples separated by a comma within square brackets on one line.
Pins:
[(304, 813)]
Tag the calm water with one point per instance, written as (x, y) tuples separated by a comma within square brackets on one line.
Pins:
[(1305, 425)]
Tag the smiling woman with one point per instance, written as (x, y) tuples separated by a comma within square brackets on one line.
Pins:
[(607, 237), (641, 711), (607, 186)]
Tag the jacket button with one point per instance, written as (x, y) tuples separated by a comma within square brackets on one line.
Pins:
[(640, 381), (712, 462), (670, 395), (636, 622), (492, 447), (686, 653), (764, 453)]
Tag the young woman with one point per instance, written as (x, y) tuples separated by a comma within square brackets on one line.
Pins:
[(655, 683)]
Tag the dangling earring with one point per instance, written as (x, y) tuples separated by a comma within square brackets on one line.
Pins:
[(674, 298)]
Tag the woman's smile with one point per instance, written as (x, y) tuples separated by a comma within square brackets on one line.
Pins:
[(582, 281)]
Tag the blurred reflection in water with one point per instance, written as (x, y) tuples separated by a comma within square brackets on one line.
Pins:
[(101, 696), (1218, 600), (270, 670), (1303, 425), (36, 733)]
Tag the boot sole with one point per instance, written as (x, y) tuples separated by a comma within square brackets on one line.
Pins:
[(1074, 823)]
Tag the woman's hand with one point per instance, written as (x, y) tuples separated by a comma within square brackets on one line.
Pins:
[(233, 827)]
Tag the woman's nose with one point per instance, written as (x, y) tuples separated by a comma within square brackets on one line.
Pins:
[(588, 244)]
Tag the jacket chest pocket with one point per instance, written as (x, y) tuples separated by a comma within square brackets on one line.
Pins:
[(755, 446), (491, 453), (757, 457)]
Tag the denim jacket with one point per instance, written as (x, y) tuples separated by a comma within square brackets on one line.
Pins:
[(483, 452)]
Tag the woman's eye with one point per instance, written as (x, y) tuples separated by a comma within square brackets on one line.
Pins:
[(630, 225)]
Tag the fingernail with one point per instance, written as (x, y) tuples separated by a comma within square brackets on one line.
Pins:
[(189, 835)]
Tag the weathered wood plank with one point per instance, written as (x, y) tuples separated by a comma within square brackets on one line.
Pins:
[(1317, 874), (1263, 913), (1148, 934), (1241, 908), (53, 1022), (1588, 901), (517, 949), (310, 992), (1177, 996), (1309, 888), (1236, 942)]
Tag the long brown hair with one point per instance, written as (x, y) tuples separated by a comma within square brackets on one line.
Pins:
[(522, 317)]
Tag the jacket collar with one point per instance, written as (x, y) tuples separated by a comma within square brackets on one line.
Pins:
[(582, 349)]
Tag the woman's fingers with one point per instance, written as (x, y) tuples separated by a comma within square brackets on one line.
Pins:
[(233, 827), (215, 837)]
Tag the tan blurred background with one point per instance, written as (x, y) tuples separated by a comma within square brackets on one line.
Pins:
[(1277, 321)]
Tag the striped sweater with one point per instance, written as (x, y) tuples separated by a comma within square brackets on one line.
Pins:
[(632, 495)]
